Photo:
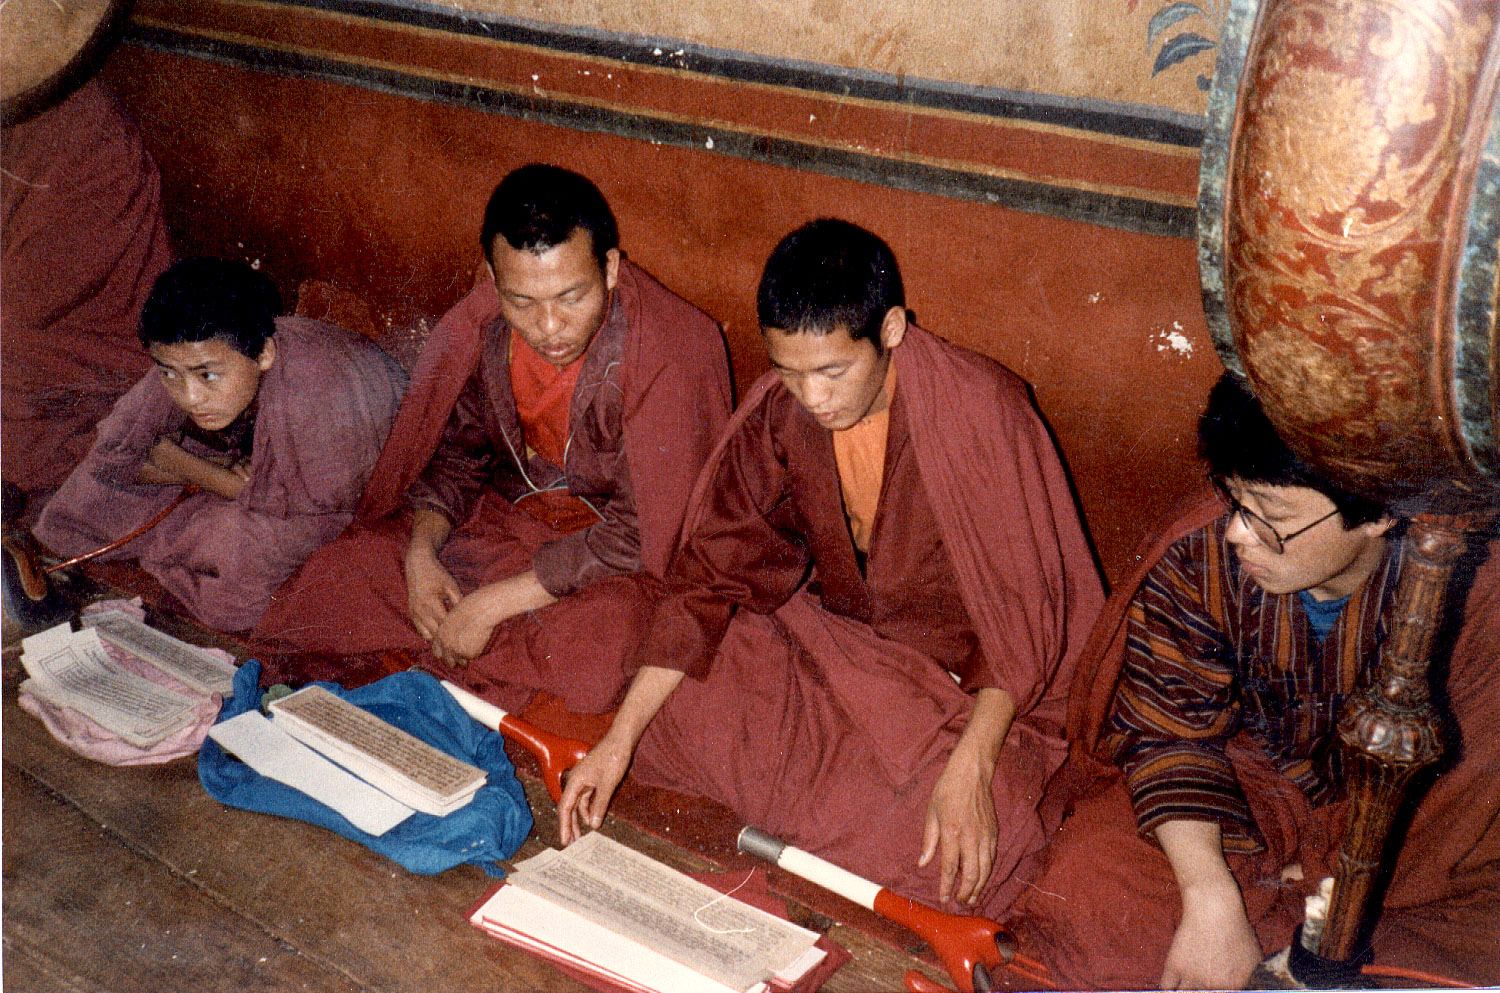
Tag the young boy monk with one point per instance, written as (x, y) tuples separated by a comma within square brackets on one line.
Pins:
[(1215, 685), (277, 421), (866, 636)]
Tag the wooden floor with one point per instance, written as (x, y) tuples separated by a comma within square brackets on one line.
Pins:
[(134, 879)]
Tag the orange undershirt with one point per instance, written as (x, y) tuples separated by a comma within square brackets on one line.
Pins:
[(544, 401), (859, 453)]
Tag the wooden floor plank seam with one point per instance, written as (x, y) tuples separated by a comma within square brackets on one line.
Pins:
[(36, 960)]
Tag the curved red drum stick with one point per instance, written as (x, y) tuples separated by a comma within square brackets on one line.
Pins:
[(556, 753)]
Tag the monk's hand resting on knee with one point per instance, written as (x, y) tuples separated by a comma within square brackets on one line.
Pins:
[(961, 828), (465, 633), (590, 786), (431, 590)]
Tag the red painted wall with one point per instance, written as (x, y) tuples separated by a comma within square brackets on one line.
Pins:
[(381, 195)]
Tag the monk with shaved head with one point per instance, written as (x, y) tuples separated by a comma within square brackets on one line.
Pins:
[(866, 636)]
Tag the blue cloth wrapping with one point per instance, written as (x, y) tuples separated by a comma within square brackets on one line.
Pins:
[(491, 827)]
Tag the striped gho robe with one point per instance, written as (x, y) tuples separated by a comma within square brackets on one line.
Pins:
[(1209, 655)]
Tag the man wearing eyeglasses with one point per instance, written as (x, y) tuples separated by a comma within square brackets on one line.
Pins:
[(1203, 728)]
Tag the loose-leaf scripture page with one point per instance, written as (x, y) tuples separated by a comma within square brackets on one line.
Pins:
[(189, 664), (74, 670), (381, 754)]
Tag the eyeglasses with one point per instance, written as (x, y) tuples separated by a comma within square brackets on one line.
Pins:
[(1263, 531)]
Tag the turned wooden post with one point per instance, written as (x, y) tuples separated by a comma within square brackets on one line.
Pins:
[(1389, 729)]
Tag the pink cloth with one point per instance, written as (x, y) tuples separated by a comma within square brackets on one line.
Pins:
[(88, 739), (82, 240), (323, 412)]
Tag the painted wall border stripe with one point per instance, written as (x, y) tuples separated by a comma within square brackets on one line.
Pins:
[(1090, 206), (254, 36), (1133, 121)]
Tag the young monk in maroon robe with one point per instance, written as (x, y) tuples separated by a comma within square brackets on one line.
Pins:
[(276, 420), (1206, 777), (81, 241), (864, 641), (556, 421)]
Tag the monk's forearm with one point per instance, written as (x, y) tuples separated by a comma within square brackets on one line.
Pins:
[(513, 595), (980, 744), (648, 691), (961, 826), (1215, 946), (168, 462), (429, 531), (150, 475), (1196, 853), (593, 781)]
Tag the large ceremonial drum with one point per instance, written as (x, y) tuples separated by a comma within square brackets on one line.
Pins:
[(1349, 210)]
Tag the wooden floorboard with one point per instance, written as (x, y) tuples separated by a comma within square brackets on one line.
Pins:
[(131, 922), (126, 879), (26, 968), (135, 879)]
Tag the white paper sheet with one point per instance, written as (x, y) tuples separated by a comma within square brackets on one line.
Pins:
[(630, 893), (194, 666), (48, 642)]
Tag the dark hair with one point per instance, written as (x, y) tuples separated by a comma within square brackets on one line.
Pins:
[(538, 207), (830, 274), (203, 299), (1236, 439)]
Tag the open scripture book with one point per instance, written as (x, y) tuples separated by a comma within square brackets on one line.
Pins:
[(620, 920)]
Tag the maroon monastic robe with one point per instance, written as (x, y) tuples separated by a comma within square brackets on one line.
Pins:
[(81, 243), (651, 398), (1105, 905), (322, 412), (823, 706)]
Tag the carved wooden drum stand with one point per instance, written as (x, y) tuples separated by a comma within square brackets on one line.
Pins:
[(1349, 213)]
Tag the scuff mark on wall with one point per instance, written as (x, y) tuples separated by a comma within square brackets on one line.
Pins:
[(1173, 339)]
